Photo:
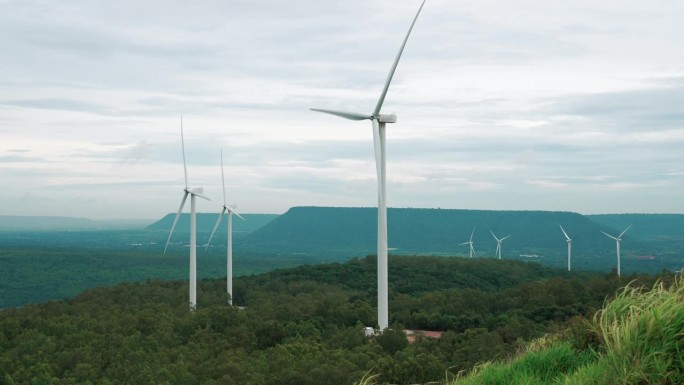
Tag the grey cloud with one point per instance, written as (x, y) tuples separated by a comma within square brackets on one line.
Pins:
[(58, 104), (638, 110), (18, 158)]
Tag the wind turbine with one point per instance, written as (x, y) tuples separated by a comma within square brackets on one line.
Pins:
[(229, 245), (617, 245), (498, 244), (470, 242), (569, 241), (193, 192), (378, 121)]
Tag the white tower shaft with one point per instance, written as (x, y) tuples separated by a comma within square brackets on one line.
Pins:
[(193, 254), (229, 267), (617, 245), (569, 254), (380, 161)]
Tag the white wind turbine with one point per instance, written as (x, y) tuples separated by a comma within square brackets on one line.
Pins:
[(378, 121), (470, 242), (569, 241), (193, 192), (498, 244), (617, 245), (229, 245)]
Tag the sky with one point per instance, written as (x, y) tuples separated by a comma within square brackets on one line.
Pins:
[(501, 104)]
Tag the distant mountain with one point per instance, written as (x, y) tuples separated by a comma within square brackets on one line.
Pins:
[(429, 230), (206, 222), (337, 231), (649, 226), (12, 222), (57, 223)]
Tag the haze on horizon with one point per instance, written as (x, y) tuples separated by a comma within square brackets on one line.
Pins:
[(501, 105)]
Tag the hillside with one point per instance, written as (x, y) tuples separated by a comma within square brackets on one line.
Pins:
[(635, 339), (295, 330)]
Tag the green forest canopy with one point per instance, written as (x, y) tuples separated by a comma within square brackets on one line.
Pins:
[(300, 326)]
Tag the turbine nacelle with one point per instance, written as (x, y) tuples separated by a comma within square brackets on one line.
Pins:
[(387, 118), (232, 210), (197, 191)]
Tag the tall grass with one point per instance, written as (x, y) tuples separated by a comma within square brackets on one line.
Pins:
[(546, 366), (642, 336), (640, 340)]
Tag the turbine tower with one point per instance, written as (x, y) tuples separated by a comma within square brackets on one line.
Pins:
[(617, 245), (470, 242), (569, 241), (498, 244), (379, 121), (193, 192), (229, 245)]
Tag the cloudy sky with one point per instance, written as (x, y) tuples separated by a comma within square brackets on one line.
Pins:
[(501, 104)]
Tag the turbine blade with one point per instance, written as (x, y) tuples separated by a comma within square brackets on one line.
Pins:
[(223, 179), (381, 100), (497, 239), (215, 227), (464, 243), (343, 114), (176, 220), (608, 235), (507, 236), (185, 168), (622, 233), (471, 234), (564, 233)]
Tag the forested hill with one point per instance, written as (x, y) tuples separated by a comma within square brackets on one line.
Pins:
[(414, 275), (298, 326), (649, 226), (207, 221), (437, 231)]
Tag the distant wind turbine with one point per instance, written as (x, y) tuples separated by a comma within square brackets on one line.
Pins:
[(470, 242), (229, 244), (378, 121), (498, 244), (617, 245), (569, 241), (193, 192)]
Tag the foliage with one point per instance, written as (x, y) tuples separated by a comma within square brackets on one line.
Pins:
[(295, 330), (38, 274)]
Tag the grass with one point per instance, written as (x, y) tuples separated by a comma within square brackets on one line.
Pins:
[(636, 339)]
